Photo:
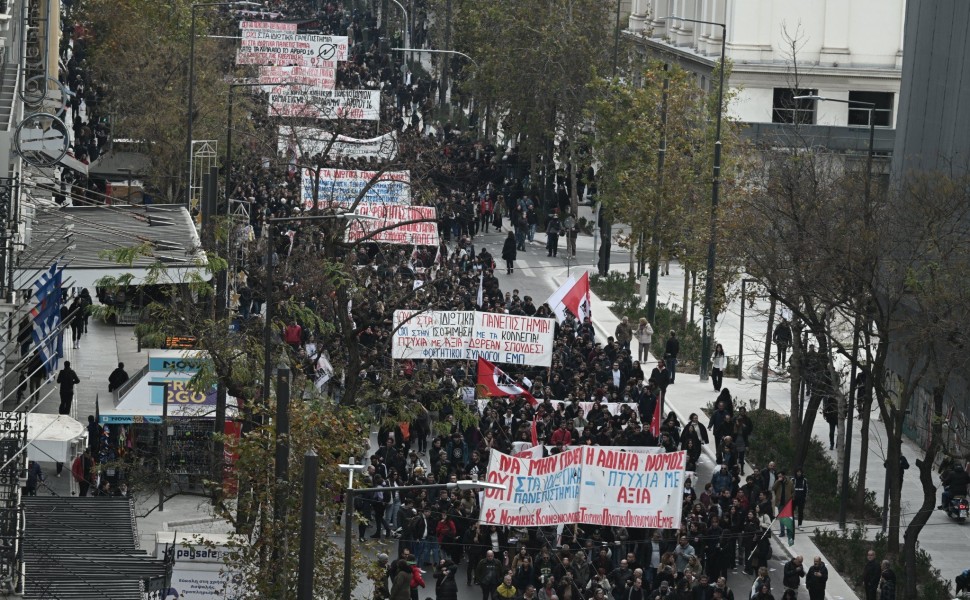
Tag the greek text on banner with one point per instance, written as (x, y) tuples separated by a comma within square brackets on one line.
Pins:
[(495, 337), (589, 485)]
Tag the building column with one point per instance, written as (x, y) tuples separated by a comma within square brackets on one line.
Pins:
[(638, 15), (835, 45)]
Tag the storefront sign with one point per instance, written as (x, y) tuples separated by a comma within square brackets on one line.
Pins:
[(587, 485)]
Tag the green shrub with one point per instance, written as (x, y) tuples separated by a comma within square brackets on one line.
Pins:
[(770, 441), (621, 290), (846, 553)]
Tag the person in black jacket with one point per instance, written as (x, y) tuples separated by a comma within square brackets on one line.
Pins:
[(671, 350), (509, 252), (67, 379), (870, 575), (801, 494), (117, 378), (445, 587), (816, 579)]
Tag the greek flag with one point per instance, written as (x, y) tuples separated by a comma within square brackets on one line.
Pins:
[(46, 317)]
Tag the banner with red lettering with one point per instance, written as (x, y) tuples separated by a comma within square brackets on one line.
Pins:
[(498, 338), (587, 485), (512, 339)]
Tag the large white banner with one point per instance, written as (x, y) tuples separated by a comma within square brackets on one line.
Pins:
[(320, 103), (587, 485), (498, 338), (268, 26), (308, 141), (343, 186), (441, 334), (512, 339), (322, 77), (273, 47), (394, 224)]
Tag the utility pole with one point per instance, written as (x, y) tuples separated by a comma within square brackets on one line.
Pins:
[(446, 61), (655, 226)]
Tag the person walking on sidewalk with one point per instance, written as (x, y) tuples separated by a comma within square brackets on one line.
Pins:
[(569, 226), (870, 575), (718, 365), (67, 379), (624, 334), (671, 351), (800, 484), (509, 250), (553, 227), (117, 378), (782, 338), (644, 338), (816, 578), (887, 584)]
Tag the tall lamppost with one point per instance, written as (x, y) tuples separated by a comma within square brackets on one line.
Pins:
[(847, 454), (189, 110), (715, 192), (349, 494)]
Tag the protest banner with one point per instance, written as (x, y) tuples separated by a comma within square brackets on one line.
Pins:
[(268, 26), (586, 485), (320, 77), (273, 47), (513, 339), (341, 187), (441, 334), (308, 141), (394, 224), (326, 104), (628, 489)]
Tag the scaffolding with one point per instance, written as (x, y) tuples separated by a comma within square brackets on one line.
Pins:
[(204, 156)]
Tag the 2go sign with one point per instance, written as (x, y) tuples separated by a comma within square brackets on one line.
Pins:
[(180, 391)]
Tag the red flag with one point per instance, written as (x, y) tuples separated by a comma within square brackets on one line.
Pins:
[(535, 431), (655, 422), (496, 383), (577, 299)]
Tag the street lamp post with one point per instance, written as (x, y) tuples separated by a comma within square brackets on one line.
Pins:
[(847, 453), (407, 27), (189, 109), (708, 317), (429, 51), (162, 444), (349, 513)]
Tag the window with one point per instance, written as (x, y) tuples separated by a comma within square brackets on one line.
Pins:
[(882, 113), (785, 109)]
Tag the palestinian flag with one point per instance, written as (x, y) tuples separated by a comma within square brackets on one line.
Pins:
[(787, 519)]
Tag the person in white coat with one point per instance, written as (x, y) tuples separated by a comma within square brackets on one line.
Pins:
[(718, 365), (644, 339)]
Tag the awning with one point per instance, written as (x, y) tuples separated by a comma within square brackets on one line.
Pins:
[(78, 237), (54, 438)]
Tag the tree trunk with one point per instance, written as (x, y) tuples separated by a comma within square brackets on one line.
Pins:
[(763, 402), (795, 423), (925, 467), (574, 190), (693, 294), (865, 410), (895, 431)]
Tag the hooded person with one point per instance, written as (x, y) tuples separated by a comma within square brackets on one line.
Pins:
[(445, 586)]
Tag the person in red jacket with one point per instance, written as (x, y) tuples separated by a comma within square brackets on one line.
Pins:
[(82, 469), (416, 580), (561, 436), (293, 335)]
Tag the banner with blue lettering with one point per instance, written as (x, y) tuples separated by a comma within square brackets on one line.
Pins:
[(588, 485)]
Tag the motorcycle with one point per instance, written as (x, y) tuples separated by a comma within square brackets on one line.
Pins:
[(957, 509)]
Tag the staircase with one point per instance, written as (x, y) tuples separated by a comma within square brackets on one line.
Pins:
[(8, 92)]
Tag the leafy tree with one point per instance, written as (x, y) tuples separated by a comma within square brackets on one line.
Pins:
[(533, 61)]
